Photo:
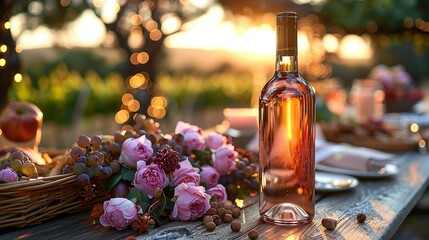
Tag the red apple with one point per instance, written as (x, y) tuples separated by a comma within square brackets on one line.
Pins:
[(20, 121)]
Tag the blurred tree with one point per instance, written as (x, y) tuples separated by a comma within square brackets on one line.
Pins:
[(135, 26), (257, 7), (9, 59), (387, 21)]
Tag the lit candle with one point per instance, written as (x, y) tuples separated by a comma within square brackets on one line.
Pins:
[(241, 118)]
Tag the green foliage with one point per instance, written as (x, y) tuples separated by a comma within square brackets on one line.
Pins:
[(354, 16), (113, 180), (323, 114), (139, 198), (200, 91), (64, 95), (128, 174)]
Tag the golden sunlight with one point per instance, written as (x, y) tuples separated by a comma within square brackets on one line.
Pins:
[(213, 32), (354, 47)]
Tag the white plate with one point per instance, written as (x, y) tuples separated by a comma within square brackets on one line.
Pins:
[(330, 182), (387, 171)]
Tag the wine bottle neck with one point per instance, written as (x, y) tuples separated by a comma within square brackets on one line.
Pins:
[(286, 45), (286, 63)]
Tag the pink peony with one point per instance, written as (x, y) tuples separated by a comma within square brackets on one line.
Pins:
[(191, 203), (186, 174), (382, 73), (149, 177), (193, 140), (183, 128), (209, 175), (215, 140), (401, 76), (119, 213), (8, 175), (134, 150), (224, 159), (218, 192)]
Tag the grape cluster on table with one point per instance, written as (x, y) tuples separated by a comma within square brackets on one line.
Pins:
[(21, 164), (242, 181), (90, 158)]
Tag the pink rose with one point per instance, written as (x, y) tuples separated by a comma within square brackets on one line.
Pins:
[(186, 174), (193, 140), (149, 177), (224, 159), (191, 203), (209, 175), (8, 175), (218, 192), (183, 128), (118, 213), (134, 150), (383, 74), (401, 75), (215, 140)]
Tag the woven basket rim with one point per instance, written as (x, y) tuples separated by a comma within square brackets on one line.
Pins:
[(37, 182)]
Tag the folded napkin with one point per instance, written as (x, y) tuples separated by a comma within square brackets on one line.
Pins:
[(349, 157), (342, 156)]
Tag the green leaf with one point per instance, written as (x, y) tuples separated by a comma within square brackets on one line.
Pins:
[(204, 157), (146, 198), (161, 205), (128, 174), (109, 184), (144, 205), (136, 194), (139, 198), (169, 205)]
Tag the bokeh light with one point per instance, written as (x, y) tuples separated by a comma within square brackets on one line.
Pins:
[(122, 116)]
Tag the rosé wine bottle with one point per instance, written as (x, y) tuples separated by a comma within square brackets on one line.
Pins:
[(286, 136)]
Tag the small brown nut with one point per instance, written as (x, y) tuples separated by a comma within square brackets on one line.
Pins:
[(208, 218), (227, 218), (235, 226), (211, 211), (229, 207), (210, 226), (236, 213), (329, 223), (361, 217), (253, 234), (213, 204), (217, 219), (221, 212), (220, 205)]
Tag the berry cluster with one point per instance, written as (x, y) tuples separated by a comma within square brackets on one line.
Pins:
[(21, 164), (90, 158), (242, 181)]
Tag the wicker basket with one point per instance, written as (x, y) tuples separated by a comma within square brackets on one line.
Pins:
[(31, 202)]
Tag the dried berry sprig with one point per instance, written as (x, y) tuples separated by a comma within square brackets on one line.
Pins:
[(145, 222), (167, 159)]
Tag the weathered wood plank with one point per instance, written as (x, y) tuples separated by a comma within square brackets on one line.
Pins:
[(386, 202)]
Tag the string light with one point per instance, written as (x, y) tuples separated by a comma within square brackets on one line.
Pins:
[(17, 78), (7, 25), (2, 62)]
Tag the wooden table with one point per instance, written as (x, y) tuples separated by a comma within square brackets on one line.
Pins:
[(386, 203)]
